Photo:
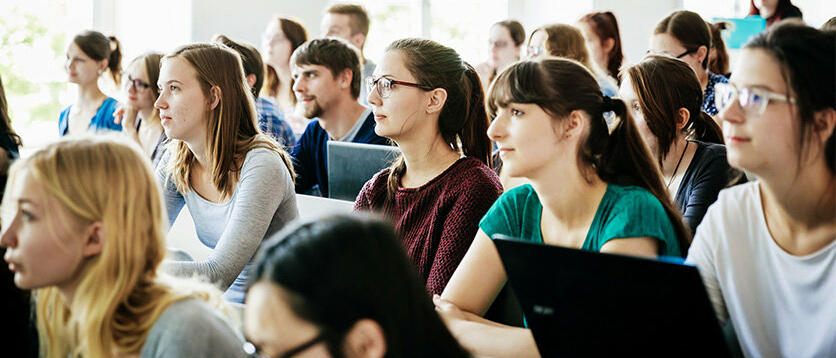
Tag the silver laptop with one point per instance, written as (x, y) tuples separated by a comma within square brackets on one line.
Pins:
[(351, 165)]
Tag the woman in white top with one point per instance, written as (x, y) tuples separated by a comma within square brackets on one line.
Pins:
[(767, 249)]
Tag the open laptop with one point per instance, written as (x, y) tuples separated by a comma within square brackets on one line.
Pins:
[(350, 165), (588, 304)]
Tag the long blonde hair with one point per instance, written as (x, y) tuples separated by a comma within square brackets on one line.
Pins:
[(231, 129), (119, 295)]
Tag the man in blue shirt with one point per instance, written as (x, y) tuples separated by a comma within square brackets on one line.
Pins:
[(327, 81), (270, 119)]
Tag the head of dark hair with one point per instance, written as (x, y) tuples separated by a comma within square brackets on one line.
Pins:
[(341, 269), (359, 18), (5, 120), (560, 86), (250, 58), (99, 47), (783, 7), (663, 86), (605, 27), (830, 25), (689, 29), (720, 63), (806, 57), (296, 34), (463, 121), (335, 54), (515, 29)]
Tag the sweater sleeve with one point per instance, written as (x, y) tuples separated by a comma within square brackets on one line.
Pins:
[(260, 190), (474, 198), (303, 163), (172, 199), (705, 187), (191, 328)]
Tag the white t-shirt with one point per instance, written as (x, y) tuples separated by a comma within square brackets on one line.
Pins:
[(781, 305)]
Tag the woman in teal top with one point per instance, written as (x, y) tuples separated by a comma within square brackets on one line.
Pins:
[(591, 187), (90, 55)]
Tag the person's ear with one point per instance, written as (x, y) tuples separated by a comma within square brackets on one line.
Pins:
[(358, 40), (251, 80), (214, 97), (344, 78), (682, 118), (823, 123), (94, 240), (702, 52), (438, 97), (365, 339), (608, 44), (573, 126)]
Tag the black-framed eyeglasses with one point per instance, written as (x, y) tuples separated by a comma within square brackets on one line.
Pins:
[(137, 84), (254, 352), (687, 52), (384, 85)]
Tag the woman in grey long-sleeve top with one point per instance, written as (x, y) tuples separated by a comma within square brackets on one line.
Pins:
[(236, 182)]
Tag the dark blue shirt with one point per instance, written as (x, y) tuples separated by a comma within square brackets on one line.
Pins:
[(310, 154), (708, 94), (102, 120)]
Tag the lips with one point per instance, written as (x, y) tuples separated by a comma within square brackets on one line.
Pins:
[(379, 117), (164, 119), (307, 99), (737, 140)]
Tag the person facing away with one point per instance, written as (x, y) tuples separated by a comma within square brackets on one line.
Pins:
[(87, 234), (300, 302), (686, 36), (600, 29), (590, 189), (326, 75), (140, 92), (270, 118), (766, 250), (89, 55), (236, 182), (563, 40), (505, 42), (350, 22), (665, 99), (279, 40), (430, 102)]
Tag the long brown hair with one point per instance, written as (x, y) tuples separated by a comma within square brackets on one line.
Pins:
[(297, 35), (689, 29), (605, 27), (231, 128), (565, 41), (151, 63), (463, 121), (720, 63), (100, 47), (663, 85), (560, 86)]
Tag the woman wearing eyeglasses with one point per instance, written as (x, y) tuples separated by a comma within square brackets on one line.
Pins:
[(767, 249), (138, 113), (505, 43), (300, 303), (430, 102), (684, 35), (88, 57)]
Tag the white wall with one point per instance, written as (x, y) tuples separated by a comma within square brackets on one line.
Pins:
[(245, 20)]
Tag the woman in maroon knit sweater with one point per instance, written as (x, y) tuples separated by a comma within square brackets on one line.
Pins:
[(431, 103)]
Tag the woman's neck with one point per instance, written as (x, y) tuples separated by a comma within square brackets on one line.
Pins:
[(425, 159), (573, 199), (199, 150), (800, 209), (676, 155), (89, 95), (702, 75), (147, 115)]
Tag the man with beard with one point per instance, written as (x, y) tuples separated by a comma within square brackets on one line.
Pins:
[(327, 80)]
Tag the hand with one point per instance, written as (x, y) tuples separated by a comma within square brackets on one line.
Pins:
[(448, 311), (124, 114)]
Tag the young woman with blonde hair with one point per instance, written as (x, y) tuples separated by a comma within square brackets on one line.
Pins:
[(236, 181), (87, 233)]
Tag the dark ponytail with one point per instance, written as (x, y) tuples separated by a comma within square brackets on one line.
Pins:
[(664, 85), (720, 62), (463, 121), (605, 26), (99, 47), (560, 86)]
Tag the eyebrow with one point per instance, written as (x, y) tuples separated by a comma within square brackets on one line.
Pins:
[(170, 81)]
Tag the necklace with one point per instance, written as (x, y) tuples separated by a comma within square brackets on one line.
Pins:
[(677, 165)]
